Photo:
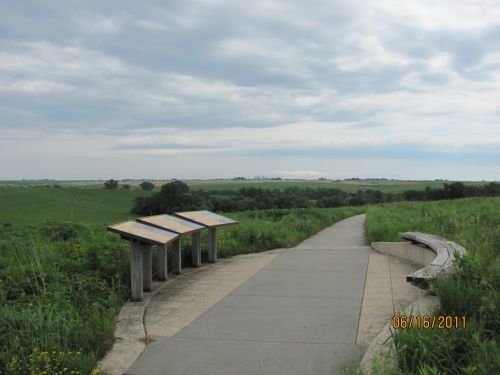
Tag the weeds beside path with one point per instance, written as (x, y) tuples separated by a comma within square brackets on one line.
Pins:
[(63, 284), (472, 291)]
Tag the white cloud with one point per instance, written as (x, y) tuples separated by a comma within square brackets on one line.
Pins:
[(369, 53), (442, 14)]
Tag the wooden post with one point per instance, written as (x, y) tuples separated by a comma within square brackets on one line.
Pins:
[(147, 269), (212, 245), (136, 271), (176, 248), (196, 249), (161, 264)]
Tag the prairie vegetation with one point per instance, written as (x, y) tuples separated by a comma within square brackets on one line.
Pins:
[(63, 284), (94, 204), (472, 291), (177, 196)]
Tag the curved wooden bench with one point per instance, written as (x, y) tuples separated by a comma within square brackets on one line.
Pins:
[(446, 251)]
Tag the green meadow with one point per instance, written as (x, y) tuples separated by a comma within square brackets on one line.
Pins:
[(37, 204), (34, 201), (64, 278), (62, 284)]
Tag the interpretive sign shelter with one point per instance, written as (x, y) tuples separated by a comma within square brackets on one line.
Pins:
[(141, 238), (180, 226), (212, 221)]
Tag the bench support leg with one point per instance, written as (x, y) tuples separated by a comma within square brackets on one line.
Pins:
[(162, 268), (147, 269), (176, 248), (196, 249), (212, 245), (136, 280)]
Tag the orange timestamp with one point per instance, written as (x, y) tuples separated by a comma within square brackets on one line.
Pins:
[(428, 322)]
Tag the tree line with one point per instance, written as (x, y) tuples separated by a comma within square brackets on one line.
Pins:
[(176, 196), (113, 185)]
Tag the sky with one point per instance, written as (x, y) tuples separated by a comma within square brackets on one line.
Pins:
[(219, 89)]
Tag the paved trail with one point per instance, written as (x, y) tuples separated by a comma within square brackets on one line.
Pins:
[(297, 315)]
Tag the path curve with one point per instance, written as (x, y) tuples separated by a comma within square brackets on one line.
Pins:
[(298, 314)]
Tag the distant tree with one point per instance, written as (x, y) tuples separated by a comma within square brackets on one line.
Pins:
[(126, 187), (147, 186), (454, 190), (111, 184), (173, 196)]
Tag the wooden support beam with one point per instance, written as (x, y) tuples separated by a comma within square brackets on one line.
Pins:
[(161, 263), (147, 267), (196, 249), (136, 278), (212, 245), (176, 248)]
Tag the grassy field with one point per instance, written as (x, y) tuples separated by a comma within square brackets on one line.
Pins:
[(62, 284), (25, 202), (473, 291), (348, 185), (63, 278), (37, 204), (386, 186)]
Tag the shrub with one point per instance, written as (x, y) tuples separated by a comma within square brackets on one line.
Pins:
[(111, 184), (147, 186)]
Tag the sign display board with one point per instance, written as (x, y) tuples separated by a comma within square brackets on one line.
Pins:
[(143, 233), (171, 223), (207, 218)]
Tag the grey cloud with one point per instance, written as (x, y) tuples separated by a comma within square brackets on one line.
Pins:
[(486, 155), (116, 68)]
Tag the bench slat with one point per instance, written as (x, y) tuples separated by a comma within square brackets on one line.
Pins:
[(446, 251)]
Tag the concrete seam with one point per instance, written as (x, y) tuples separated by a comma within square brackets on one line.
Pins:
[(363, 297), (392, 289)]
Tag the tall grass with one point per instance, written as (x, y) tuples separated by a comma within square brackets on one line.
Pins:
[(61, 287), (472, 291), (269, 229), (62, 284)]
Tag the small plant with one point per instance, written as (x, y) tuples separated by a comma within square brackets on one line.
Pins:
[(60, 231), (45, 362)]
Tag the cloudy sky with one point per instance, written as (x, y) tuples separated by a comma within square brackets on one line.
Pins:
[(204, 89)]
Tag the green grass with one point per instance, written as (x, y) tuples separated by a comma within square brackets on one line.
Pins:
[(386, 186), (63, 284), (88, 202), (38, 204), (472, 291), (61, 287)]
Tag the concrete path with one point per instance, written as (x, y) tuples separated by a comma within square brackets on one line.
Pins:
[(299, 314)]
